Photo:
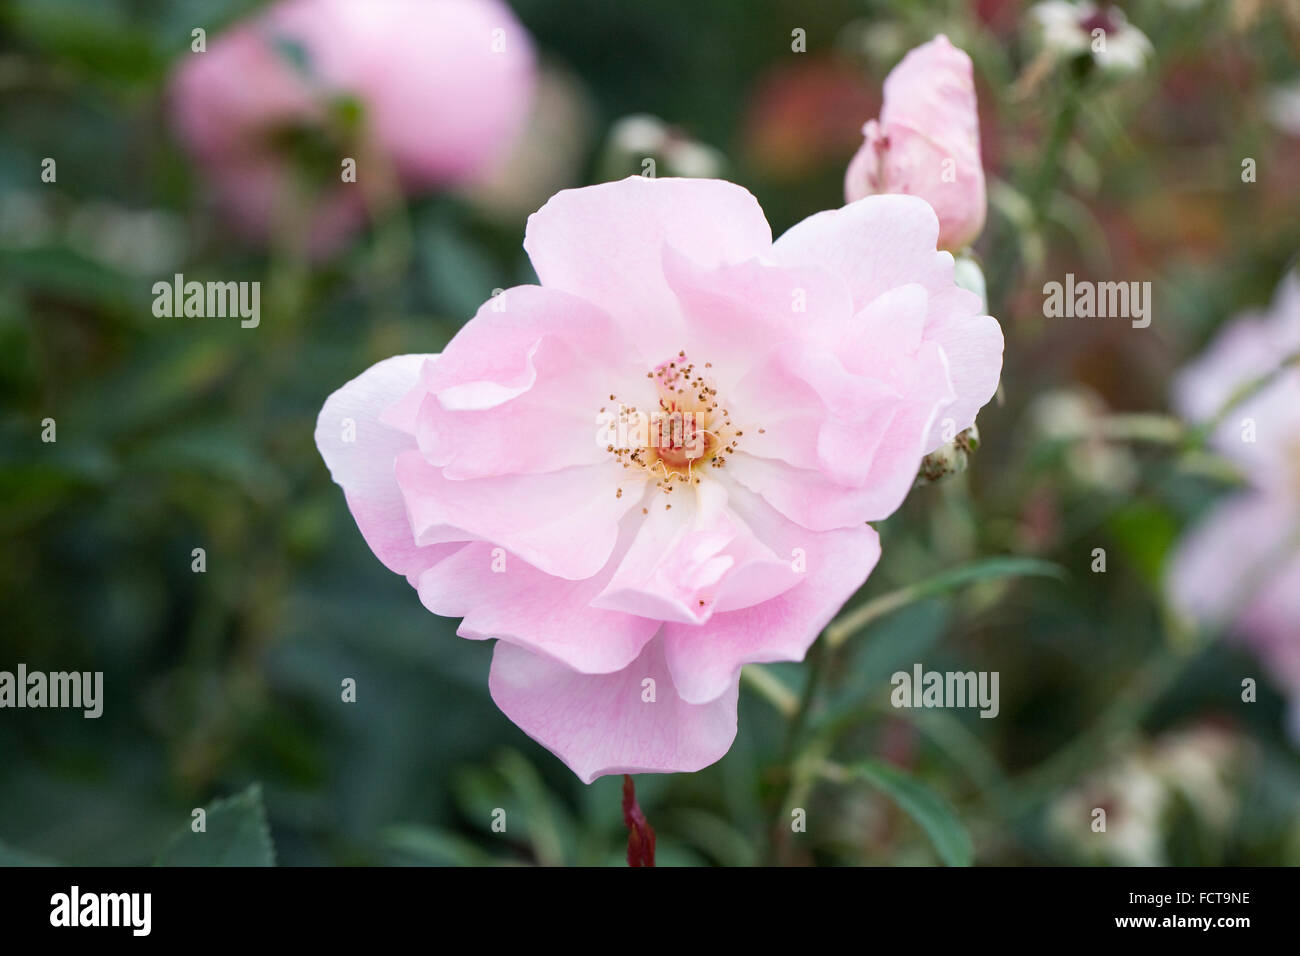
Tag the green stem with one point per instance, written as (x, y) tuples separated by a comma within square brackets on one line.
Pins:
[(1040, 190), (763, 682), (816, 667), (800, 772), (1145, 427), (845, 626)]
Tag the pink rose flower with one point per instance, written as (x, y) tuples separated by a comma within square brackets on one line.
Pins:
[(444, 87), (1241, 567), (629, 565), (927, 141)]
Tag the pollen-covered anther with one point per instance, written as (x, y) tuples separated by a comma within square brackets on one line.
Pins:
[(687, 429)]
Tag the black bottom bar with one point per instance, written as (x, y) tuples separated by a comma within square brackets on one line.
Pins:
[(331, 906)]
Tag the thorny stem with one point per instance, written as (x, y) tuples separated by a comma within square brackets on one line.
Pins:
[(640, 834)]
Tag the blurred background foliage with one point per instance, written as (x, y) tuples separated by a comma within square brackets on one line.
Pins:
[(182, 433)]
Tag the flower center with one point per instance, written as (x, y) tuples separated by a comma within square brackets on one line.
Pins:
[(687, 431)]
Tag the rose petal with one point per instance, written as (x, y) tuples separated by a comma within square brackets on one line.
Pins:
[(602, 724), (605, 244)]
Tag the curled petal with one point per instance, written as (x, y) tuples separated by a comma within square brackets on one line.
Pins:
[(630, 721)]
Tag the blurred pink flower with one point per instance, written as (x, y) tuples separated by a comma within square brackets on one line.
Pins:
[(628, 572), (1253, 345), (443, 88), (1241, 567), (927, 141)]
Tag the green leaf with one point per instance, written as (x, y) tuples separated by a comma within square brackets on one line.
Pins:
[(896, 643), (931, 812), (906, 637), (841, 629), (435, 846), (460, 276), (712, 833), (1146, 533), (236, 834), (548, 830)]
